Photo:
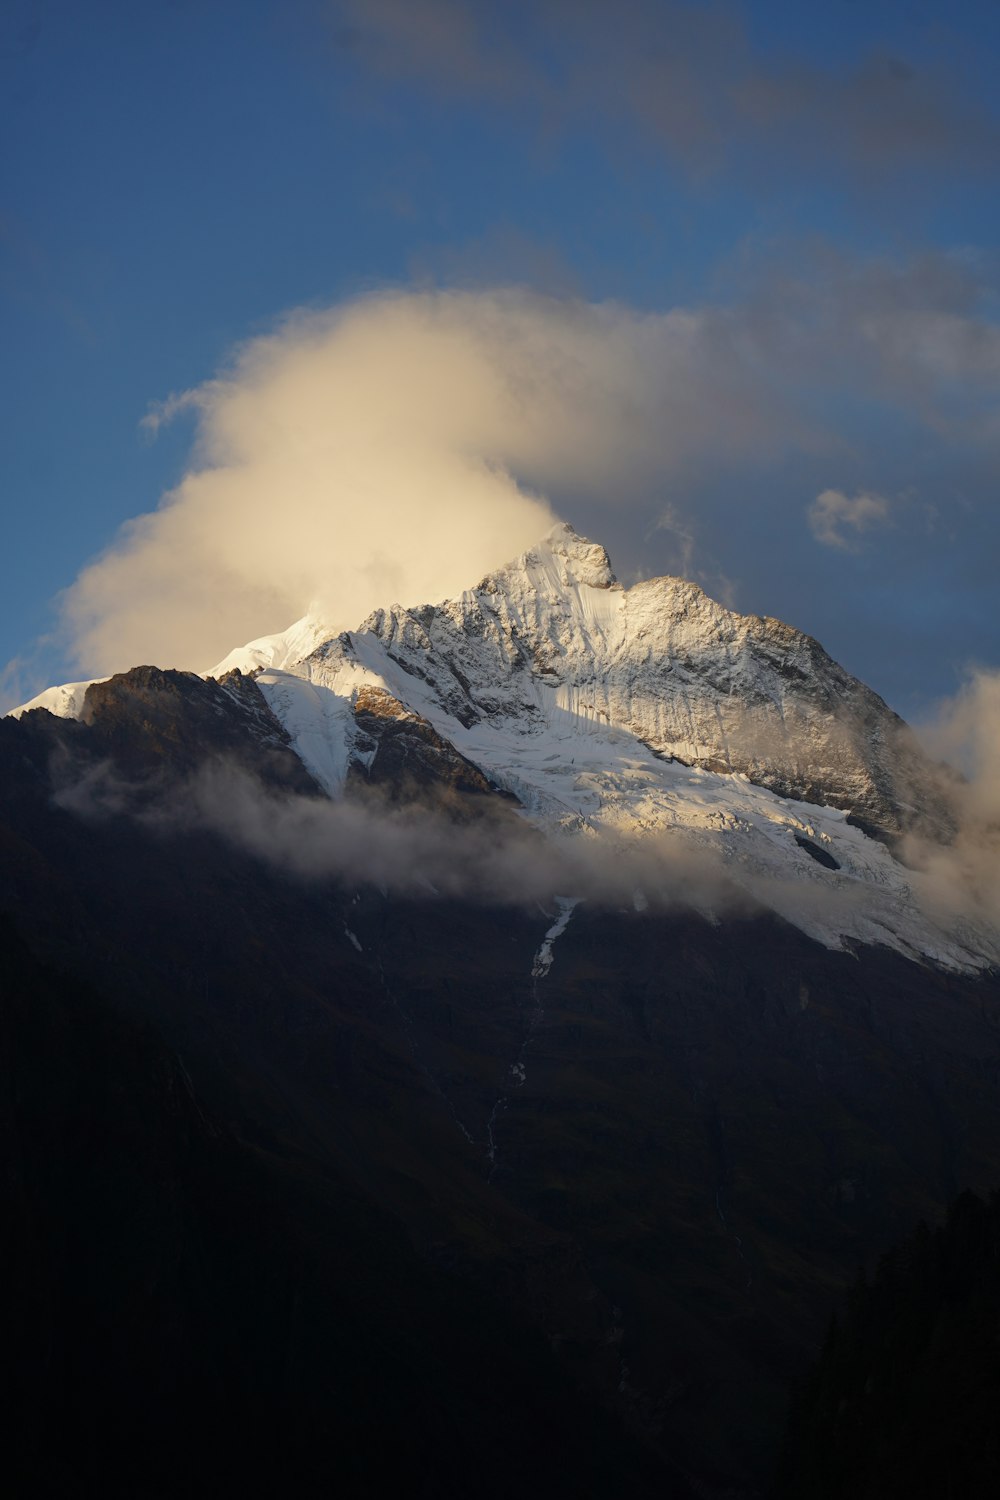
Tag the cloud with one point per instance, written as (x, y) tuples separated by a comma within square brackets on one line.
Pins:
[(687, 78), (964, 877), (450, 850), (681, 531), (397, 448), (411, 850), (833, 513), (919, 331)]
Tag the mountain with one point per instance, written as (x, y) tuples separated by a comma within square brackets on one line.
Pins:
[(636, 711), (552, 645), (626, 1153)]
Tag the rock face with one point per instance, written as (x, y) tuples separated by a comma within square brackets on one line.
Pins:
[(402, 755), (153, 719), (152, 726), (653, 1146)]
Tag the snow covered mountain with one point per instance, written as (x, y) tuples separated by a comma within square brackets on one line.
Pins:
[(644, 711), (553, 645), (659, 1144)]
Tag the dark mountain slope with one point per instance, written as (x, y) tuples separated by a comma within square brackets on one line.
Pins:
[(191, 1313), (905, 1400), (729, 1121), (666, 1153)]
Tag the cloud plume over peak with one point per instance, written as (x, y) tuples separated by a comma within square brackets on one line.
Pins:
[(395, 450)]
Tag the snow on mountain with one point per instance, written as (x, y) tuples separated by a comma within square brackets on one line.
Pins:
[(555, 634), (277, 651), (65, 701), (644, 710)]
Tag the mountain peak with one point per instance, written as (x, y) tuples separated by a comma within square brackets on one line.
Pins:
[(562, 559)]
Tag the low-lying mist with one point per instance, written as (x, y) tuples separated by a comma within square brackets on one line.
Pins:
[(458, 848), (413, 849), (475, 849)]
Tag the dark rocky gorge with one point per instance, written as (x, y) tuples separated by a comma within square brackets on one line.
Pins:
[(318, 1188)]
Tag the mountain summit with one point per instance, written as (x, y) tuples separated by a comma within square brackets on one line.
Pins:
[(552, 642)]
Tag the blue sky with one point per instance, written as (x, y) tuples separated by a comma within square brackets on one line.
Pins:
[(817, 187)]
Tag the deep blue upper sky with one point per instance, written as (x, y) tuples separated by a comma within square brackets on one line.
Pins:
[(175, 176)]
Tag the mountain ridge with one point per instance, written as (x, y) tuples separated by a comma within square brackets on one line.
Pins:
[(644, 712), (542, 620)]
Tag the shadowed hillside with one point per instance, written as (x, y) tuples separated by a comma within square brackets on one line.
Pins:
[(905, 1399)]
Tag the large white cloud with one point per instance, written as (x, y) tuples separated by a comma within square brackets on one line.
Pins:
[(396, 449)]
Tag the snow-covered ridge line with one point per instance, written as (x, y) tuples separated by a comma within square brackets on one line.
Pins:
[(65, 701)]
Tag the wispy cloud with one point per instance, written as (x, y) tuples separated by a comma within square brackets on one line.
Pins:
[(839, 521), (161, 413)]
